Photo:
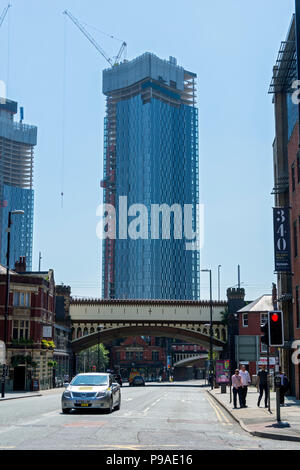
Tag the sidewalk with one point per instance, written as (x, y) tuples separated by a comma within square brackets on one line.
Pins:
[(15, 395), (259, 421)]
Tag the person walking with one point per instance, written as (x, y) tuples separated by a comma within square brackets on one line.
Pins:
[(283, 387), (236, 381), (246, 381), (262, 385)]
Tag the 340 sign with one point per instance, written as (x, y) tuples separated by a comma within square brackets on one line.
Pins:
[(282, 244)]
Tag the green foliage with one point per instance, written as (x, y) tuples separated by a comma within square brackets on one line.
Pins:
[(52, 363), (20, 359), (89, 358), (47, 344), (225, 317), (22, 342)]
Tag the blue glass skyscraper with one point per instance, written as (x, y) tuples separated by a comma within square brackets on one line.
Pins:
[(150, 158), (16, 183)]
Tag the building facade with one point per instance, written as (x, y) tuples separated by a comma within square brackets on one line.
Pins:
[(144, 355), (62, 333), (17, 141), (251, 319), (286, 162), (30, 327), (150, 159)]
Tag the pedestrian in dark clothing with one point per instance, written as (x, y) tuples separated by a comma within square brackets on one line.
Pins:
[(236, 388), (284, 387), (262, 385), (211, 379)]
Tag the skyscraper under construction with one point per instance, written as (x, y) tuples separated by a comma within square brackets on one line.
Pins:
[(151, 158), (16, 182)]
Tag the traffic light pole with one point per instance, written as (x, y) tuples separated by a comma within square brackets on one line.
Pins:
[(269, 378)]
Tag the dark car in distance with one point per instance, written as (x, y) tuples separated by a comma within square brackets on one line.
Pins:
[(118, 379), (137, 380)]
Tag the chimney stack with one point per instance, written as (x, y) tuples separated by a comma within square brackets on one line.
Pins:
[(20, 266)]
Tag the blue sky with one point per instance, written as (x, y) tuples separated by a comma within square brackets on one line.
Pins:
[(232, 46)]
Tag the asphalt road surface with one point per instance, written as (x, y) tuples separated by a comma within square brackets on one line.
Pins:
[(177, 416)]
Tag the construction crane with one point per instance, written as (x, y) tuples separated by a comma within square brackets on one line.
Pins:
[(95, 44), (4, 13)]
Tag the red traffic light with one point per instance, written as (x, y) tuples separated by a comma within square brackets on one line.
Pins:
[(274, 317)]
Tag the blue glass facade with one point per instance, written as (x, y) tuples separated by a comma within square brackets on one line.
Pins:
[(292, 112), (16, 176), (22, 225), (155, 162)]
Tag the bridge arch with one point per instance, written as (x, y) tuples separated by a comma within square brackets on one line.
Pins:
[(108, 335)]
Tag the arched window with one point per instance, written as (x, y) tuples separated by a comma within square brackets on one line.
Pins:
[(92, 330), (79, 332), (223, 334), (73, 333), (85, 331), (217, 333)]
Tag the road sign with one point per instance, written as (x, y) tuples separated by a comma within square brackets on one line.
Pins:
[(2, 353), (247, 348)]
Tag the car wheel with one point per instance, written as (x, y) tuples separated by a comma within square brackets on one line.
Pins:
[(66, 410), (111, 407), (119, 404)]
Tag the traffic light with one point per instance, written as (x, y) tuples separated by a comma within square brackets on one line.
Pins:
[(276, 336), (265, 330)]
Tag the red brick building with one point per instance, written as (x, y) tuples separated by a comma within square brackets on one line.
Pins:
[(30, 326), (286, 163), (135, 353), (251, 318)]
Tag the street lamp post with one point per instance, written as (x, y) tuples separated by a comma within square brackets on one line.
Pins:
[(98, 329), (219, 294), (211, 369), (7, 294)]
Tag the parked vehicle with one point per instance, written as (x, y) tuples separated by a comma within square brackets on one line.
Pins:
[(118, 379), (137, 380), (59, 382), (91, 390)]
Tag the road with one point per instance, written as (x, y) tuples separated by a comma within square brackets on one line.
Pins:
[(158, 416)]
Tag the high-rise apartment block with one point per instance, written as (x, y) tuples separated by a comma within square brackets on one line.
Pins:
[(16, 183), (150, 159)]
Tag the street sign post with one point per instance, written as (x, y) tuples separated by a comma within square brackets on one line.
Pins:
[(2, 353)]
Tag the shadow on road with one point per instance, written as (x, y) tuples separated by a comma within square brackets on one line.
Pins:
[(169, 384)]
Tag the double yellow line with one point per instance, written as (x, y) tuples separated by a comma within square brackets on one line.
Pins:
[(220, 414)]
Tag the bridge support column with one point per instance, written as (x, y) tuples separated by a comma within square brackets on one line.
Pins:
[(73, 364)]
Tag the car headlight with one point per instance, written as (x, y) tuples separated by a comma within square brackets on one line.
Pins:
[(101, 395), (67, 395)]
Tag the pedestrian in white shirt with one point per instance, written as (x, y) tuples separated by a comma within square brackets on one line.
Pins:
[(246, 381)]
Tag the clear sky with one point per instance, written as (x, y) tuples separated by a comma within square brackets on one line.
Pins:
[(231, 45)]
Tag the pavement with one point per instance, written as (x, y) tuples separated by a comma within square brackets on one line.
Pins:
[(259, 421), (15, 395)]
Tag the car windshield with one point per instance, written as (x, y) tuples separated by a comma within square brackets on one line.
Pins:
[(94, 380)]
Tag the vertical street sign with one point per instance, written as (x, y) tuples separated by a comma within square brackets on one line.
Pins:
[(282, 244)]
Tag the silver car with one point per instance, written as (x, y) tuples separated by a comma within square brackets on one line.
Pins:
[(91, 390)]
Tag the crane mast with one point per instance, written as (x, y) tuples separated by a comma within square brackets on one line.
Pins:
[(92, 40), (4, 13)]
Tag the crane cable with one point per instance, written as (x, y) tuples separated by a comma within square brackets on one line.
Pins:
[(8, 50), (63, 113)]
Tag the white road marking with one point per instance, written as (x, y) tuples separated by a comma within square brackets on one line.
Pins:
[(154, 403), (52, 413)]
